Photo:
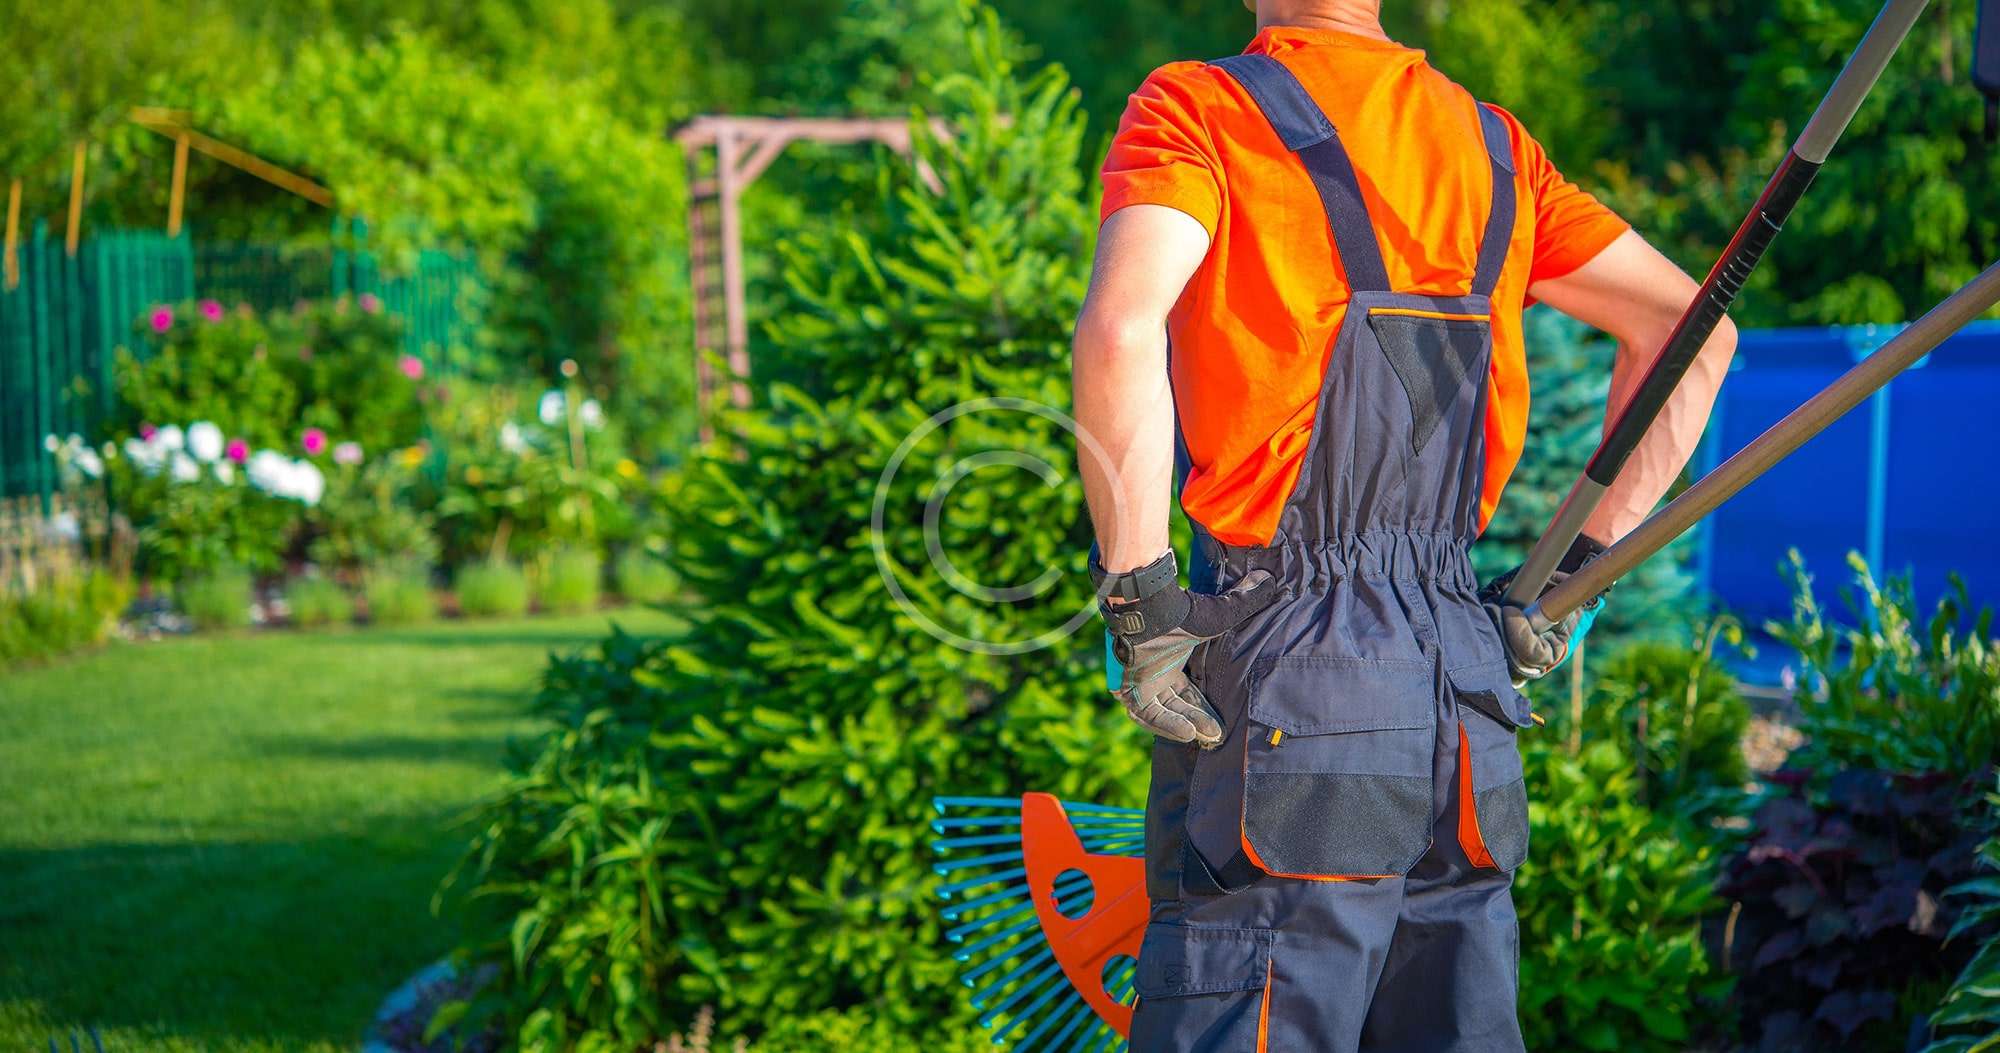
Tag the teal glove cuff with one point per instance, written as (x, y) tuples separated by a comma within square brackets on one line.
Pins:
[(1584, 621), (1114, 670)]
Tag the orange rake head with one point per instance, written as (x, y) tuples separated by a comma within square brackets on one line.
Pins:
[(1051, 904)]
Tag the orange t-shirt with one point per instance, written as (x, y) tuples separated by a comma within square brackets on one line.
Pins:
[(1253, 329)]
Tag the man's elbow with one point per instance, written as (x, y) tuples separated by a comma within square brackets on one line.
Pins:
[(1109, 338)]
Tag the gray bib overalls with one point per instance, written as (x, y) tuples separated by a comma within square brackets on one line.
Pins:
[(1335, 876)]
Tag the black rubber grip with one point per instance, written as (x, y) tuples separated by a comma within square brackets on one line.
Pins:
[(1698, 322)]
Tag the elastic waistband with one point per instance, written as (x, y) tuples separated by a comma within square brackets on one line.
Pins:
[(1395, 554)]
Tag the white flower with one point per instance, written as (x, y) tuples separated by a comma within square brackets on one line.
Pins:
[(87, 462), (182, 467), (146, 456), (512, 439), (550, 409), (307, 484), (268, 471), (65, 526), (204, 440), (224, 471), (50, 442), (170, 438), (592, 414)]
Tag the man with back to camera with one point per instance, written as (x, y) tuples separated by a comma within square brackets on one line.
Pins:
[(1336, 242)]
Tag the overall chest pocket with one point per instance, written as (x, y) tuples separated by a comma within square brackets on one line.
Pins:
[(1337, 767)]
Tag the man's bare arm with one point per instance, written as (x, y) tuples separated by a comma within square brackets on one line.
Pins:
[(1145, 256), (1632, 292)]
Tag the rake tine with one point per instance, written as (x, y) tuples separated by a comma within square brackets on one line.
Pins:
[(96, 1041)]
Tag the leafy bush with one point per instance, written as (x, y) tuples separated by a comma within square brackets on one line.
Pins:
[(737, 816), (487, 590), (64, 612), (1841, 905), (208, 363), (1676, 710), (522, 473), (1898, 694), (345, 363), (398, 593), (196, 510), (644, 577), (1968, 1017), (569, 580), (1611, 902), (370, 513), (219, 599), (318, 601)]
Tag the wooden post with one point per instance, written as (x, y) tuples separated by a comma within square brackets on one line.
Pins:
[(178, 193), (75, 232), (13, 255), (729, 186)]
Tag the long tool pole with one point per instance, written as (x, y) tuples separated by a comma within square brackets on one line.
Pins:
[(1718, 291), (1916, 340)]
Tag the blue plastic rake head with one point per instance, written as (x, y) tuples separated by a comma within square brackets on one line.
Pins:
[(1023, 982)]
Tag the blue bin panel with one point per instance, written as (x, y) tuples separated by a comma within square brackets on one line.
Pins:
[(1938, 497)]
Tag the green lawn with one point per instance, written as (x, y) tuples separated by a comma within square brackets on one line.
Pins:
[(230, 843)]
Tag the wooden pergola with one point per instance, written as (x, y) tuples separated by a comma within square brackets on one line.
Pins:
[(743, 148)]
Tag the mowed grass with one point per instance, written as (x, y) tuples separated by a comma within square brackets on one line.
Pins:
[(230, 843)]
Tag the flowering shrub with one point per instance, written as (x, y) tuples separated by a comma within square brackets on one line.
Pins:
[(523, 475), (294, 381), (200, 502)]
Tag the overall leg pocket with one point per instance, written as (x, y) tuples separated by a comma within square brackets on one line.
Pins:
[(1492, 793), (1202, 989), (1337, 767)]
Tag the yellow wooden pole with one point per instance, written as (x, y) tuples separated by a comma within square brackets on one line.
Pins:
[(13, 260), (179, 192), (75, 231)]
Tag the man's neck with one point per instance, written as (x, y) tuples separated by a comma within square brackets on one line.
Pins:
[(1360, 17)]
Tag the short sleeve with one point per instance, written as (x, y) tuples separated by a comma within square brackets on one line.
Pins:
[(1571, 225), (1162, 154)]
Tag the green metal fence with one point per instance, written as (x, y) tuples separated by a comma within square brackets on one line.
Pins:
[(61, 327)]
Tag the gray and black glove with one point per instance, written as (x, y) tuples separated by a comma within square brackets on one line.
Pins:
[(1153, 626), (1531, 655)]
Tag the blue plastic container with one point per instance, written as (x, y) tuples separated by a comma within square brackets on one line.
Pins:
[(1910, 479)]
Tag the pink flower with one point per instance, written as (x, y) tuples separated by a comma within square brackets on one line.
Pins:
[(348, 453), (370, 304), (412, 367), (147, 431), (238, 451), (162, 319), (211, 310), (314, 441)]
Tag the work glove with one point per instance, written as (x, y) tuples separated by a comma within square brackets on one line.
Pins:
[(1532, 655), (1150, 635)]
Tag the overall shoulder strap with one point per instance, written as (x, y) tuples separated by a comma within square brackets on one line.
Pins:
[(1305, 130), (1499, 231)]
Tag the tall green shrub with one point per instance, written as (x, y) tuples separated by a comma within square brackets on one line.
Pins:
[(749, 803), (1610, 901)]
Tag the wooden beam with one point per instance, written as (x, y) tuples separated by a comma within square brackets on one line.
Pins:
[(163, 122), (766, 152), (735, 321), (177, 194), (74, 233), (13, 261)]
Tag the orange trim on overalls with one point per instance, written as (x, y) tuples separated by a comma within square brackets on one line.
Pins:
[(1264, 1013), (1418, 312), (1469, 837)]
